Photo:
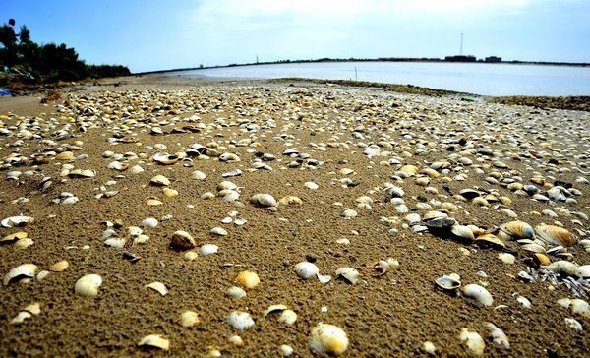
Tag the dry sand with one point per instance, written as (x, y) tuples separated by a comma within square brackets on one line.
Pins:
[(388, 315)]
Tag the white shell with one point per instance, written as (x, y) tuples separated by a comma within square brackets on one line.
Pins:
[(149, 222), (115, 242), (16, 221), (479, 294), (311, 185), (498, 335), (26, 270), (198, 175), (564, 267), (236, 292), (218, 231), (349, 274), (263, 200), (155, 340), (159, 287), (160, 180), (240, 320), (88, 285), (208, 249), (349, 213), (306, 269), (328, 339), (473, 341)]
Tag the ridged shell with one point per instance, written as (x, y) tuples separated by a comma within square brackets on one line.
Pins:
[(555, 235)]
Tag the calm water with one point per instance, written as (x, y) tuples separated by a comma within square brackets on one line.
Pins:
[(480, 78)]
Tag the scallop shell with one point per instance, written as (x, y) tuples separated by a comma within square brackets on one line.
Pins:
[(19, 272), (240, 320), (516, 230), (248, 279), (263, 200), (328, 339), (88, 285), (479, 294), (155, 340), (306, 269), (555, 235)]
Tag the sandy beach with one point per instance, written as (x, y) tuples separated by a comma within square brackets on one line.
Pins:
[(398, 189)]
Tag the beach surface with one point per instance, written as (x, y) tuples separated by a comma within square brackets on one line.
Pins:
[(367, 179)]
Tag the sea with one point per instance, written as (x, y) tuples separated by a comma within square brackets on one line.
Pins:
[(494, 79)]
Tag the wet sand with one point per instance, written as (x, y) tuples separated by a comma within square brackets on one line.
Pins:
[(383, 315)]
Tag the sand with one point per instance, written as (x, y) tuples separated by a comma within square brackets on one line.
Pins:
[(388, 315)]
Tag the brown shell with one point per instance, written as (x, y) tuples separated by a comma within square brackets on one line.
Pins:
[(517, 229), (555, 235)]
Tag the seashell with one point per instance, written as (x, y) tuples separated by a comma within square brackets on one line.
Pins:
[(82, 173), (516, 230), (286, 350), (432, 173), (263, 200), (236, 292), (208, 249), (23, 243), (240, 320), (19, 272), (469, 194), (306, 269), (159, 287), (394, 192), (409, 169), (229, 196), (473, 341), (59, 266), (507, 258), (21, 317), (555, 235), (572, 323), (479, 201), (149, 223), (218, 231), (429, 347), (490, 241), (16, 221), (156, 341), (328, 339), (189, 319), (229, 157), (584, 271), (498, 336), (226, 185), (349, 274), (198, 175), (182, 240), (65, 155), (248, 279), (311, 185), (88, 285), (364, 200), (462, 232), (290, 200), (235, 340), (349, 213), (448, 282), (164, 158), (422, 181), (565, 268), (33, 308), (137, 169), (523, 301), (115, 242), (576, 305), (288, 317), (118, 165), (15, 236), (433, 214), (160, 180), (479, 294), (169, 193)]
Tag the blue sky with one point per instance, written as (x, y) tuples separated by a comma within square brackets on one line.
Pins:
[(148, 35)]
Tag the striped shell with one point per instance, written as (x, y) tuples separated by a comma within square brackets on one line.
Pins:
[(555, 235), (515, 230)]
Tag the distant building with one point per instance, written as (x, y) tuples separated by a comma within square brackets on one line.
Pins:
[(460, 58), (494, 59)]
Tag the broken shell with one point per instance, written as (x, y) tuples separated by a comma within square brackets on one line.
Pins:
[(349, 274), (490, 240), (88, 285), (473, 341), (274, 308), (15, 236), (306, 270), (288, 317), (290, 200), (479, 294), (328, 339), (17, 221), (462, 232), (59, 266), (229, 157), (155, 340), (189, 319), (17, 273), (208, 249), (21, 317), (555, 235), (248, 279), (182, 240), (263, 200), (33, 308), (240, 320), (159, 287), (448, 282)]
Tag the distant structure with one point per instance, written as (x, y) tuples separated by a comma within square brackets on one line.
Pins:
[(460, 57), (493, 59)]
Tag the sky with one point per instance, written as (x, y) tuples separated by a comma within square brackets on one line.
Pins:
[(150, 35)]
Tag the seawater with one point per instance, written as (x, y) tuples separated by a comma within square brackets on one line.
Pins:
[(479, 78)]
